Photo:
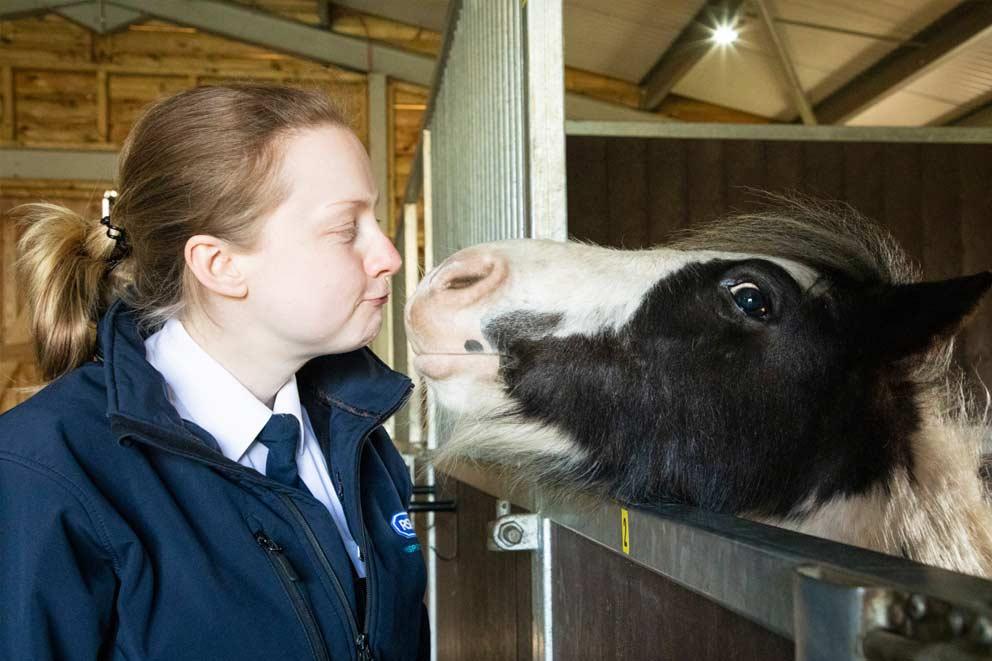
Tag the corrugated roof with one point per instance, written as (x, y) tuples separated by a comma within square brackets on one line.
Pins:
[(622, 38)]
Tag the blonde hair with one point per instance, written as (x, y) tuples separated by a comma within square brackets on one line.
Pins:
[(204, 161)]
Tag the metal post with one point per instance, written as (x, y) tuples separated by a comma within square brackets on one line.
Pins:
[(792, 78)]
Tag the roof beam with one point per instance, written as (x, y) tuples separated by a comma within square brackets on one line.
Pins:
[(13, 9), (981, 116), (100, 19), (941, 39), (286, 36), (688, 48), (428, 14), (28, 163), (799, 99)]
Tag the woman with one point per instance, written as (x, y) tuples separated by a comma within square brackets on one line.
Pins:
[(207, 477)]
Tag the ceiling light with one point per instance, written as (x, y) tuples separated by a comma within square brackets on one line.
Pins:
[(724, 35)]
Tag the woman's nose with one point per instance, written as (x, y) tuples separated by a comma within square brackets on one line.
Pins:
[(384, 259)]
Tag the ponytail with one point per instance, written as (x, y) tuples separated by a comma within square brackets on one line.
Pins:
[(64, 272)]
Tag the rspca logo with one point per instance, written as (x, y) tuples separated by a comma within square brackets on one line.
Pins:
[(402, 524)]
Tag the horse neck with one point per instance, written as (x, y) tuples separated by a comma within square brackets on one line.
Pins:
[(938, 515)]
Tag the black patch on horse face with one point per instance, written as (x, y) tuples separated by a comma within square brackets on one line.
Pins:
[(473, 346), (504, 329), (696, 401)]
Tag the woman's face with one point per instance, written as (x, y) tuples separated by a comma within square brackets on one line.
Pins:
[(319, 276)]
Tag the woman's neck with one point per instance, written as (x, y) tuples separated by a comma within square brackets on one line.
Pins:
[(247, 354)]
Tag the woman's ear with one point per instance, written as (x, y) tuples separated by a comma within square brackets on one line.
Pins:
[(215, 265)]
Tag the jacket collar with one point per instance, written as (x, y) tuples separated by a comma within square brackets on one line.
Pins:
[(357, 382)]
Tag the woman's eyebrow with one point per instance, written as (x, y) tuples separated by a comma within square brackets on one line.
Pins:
[(369, 202)]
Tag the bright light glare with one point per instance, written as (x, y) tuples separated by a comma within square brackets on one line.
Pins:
[(725, 35)]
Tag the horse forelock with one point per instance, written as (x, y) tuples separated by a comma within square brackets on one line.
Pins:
[(829, 237)]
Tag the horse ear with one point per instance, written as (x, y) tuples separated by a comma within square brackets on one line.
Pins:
[(907, 319)]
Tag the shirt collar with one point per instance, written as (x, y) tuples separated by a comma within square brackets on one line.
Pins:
[(203, 391)]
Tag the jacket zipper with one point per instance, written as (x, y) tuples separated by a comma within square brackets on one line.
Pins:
[(369, 562), (362, 642), (290, 582), (361, 638)]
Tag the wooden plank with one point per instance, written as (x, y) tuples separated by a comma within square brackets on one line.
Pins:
[(864, 185), (47, 39), (941, 212), (706, 190), (608, 607), (784, 166), (744, 166), (626, 160), (667, 189), (55, 106), (102, 106), (588, 189), (130, 95), (902, 173), (823, 170), (9, 116)]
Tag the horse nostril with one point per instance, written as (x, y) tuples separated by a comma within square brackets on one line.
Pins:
[(463, 281), (468, 276), (464, 274)]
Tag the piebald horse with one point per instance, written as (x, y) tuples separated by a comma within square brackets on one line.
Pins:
[(785, 366)]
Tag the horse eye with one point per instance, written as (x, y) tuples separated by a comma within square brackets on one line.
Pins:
[(750, 300)]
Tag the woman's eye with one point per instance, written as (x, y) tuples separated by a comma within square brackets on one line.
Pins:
[(348, 233), (750, 300)]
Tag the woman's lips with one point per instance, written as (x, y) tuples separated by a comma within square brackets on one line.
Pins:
[(381, 300)]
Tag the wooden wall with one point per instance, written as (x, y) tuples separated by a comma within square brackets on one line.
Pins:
[(66, 86), (934, 198), (484, 597)]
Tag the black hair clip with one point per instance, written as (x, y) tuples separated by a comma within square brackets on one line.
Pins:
[(121, 250)]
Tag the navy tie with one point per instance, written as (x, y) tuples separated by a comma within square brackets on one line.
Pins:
[(281, 434)]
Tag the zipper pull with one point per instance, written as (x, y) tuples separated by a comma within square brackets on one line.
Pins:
[(276, 552), (364, 651)]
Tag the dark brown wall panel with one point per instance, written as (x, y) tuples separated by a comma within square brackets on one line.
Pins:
[(607, 607), (484, 609), (934, 198)]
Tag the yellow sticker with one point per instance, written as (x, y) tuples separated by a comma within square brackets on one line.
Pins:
[(624, 532)]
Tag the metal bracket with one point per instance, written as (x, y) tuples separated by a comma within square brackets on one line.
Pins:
[(515, 532), (838, 616)]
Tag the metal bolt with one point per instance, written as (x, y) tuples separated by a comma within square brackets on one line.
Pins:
[(956, 622), (511, 533), (917, 606), (981, 631)]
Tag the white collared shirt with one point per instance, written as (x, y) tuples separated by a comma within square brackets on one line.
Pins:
[(205, 393)]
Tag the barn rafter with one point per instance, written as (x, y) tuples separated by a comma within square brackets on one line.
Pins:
[(686, 51), (920, 54)]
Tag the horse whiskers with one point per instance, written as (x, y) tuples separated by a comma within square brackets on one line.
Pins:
[(466, 353)]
